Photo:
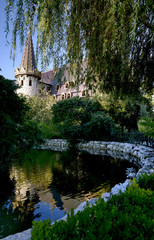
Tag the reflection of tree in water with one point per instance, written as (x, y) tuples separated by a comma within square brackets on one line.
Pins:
[(83, 172), (53, 178), (17, 216), (6, 184), (57, 198)]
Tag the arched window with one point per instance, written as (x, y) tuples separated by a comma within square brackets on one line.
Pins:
[(83, 93), (68, 95), (66, 85), (57, 87), (22, 82), (48, 89), (62, 96), (30, 82)]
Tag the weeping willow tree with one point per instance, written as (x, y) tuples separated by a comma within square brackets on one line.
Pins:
[(109, 41)]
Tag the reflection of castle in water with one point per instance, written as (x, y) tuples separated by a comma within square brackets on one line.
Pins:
[(28, 187), (62, 181), (31, 187)]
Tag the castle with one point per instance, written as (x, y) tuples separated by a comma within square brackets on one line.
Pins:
[(32, 81)]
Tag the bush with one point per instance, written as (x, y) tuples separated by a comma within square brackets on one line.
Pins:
[(74, 111), (146, 181), (82, 118), (29, 136), (125, 216), (146, 125), (100, 127), (40, 113), (125, 110)]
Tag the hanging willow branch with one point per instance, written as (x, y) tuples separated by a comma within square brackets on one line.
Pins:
[(111, 40)]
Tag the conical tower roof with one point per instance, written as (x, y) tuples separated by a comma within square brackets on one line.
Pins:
[(28, 57), (28, 64)]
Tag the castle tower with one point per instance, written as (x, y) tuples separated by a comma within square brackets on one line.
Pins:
[(27, 75)]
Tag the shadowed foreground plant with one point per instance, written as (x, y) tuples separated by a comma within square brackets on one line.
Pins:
[(128, 215)]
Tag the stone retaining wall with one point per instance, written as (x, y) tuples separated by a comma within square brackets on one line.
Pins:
[(141, 155)]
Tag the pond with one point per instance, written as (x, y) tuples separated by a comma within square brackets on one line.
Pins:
[(49, 184)]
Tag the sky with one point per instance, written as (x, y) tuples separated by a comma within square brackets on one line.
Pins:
[(6, 64)]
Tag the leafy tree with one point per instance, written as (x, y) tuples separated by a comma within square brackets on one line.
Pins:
[(40, 114), (126, 110), (12, 112), (40, 108), (82, 118), (115, 38), (146, 125), (74, 110), (100, 127)]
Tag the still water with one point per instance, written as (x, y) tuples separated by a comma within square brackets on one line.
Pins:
[(48, 184)]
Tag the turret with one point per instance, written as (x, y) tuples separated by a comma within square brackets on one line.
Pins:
[(27, 75)]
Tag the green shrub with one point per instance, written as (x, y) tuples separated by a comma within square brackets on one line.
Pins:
[(82, 118), (74, 111), (125, 216), (146, 125), (126, 110), (100, 127), (146, 181), (49, 130), (29, 136), (40, 113)]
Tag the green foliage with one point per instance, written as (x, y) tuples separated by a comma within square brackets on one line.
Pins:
[(40, 108), (29, 136), (40, 115), (12, 112), (115, 38), (125, 110), (74, 111), (146, 181), (146, 125), (125, 216), (82, 118), (100, 127)]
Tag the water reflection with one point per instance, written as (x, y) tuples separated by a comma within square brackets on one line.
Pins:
[(49, 183)]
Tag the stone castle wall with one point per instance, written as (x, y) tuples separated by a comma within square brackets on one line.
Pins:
[(26, 89)]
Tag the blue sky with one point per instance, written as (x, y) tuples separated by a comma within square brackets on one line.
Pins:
[(6, 64)]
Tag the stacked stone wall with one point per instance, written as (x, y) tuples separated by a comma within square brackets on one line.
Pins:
[(140, 155)]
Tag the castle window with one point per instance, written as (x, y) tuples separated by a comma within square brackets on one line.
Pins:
[(30, 82), (62, 96), (83, 93), (57, 87), (23, 78), (68, 95), (66, 85), (22, 82), (48, 88)]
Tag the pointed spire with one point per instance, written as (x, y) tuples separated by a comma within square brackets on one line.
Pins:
[(28, 64), (28, 57)]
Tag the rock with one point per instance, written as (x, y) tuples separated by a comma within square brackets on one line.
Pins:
[(106, 196), (131, 175)]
